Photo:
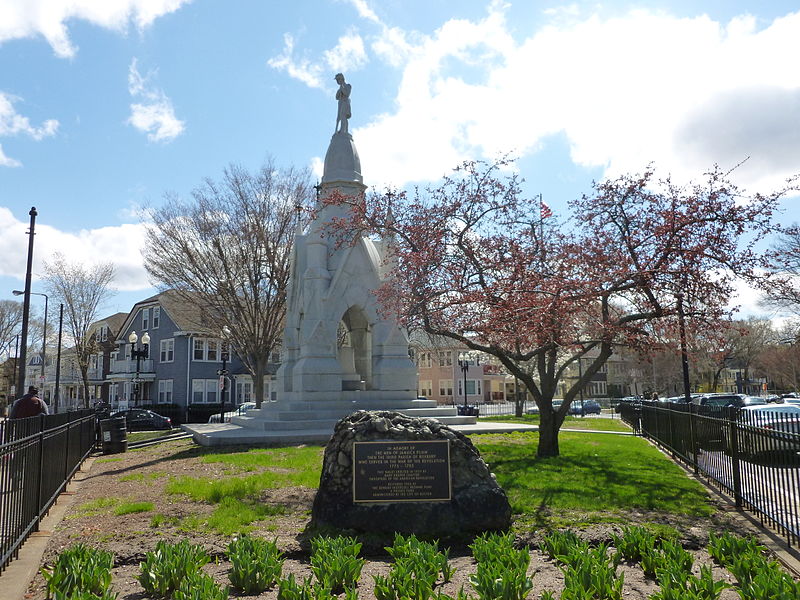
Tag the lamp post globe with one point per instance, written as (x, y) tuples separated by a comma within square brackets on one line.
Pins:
[(138, 354)]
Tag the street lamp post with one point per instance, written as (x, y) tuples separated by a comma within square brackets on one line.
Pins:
[(223, 372), (44, 329), (138, 354), (580, 376), (464, 359)]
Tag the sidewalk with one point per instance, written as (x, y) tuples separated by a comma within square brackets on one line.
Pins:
[(14, 581)]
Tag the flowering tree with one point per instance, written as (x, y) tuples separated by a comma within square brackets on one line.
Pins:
[(477, 262)]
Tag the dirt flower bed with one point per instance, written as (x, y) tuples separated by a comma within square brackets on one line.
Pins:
[(142, 476)]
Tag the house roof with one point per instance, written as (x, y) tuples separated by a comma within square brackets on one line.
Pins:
[(187, 315), (114, 322)]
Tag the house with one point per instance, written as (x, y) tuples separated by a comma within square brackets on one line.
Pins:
[(179, 372), (443, 379)]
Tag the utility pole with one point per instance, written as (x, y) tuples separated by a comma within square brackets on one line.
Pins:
[(26, 307)]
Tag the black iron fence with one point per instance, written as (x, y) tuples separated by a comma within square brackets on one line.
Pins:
[(38, 456), (752, 455)]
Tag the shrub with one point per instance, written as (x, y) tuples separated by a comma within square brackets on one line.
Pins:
[(256, 564), (335, 562), (80, 570), (168, 565)]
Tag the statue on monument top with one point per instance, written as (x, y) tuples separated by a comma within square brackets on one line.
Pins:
[(343, 96)]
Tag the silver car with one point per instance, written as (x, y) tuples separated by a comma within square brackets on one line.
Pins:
[(768, 428)]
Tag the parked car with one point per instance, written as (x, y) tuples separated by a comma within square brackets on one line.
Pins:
[(719, 400), (239, 411), (589, 407), (533, 410), (766, 429), (141, 419)]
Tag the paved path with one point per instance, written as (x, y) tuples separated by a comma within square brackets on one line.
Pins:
[(14, 581)]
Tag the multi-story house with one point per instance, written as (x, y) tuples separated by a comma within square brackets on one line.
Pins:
[(183, 359), (104, 338), (443, 379)]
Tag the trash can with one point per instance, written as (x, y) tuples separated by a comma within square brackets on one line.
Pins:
[(114, 435)]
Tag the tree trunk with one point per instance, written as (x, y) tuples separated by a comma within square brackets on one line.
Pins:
[(548, 433), (258, 382), (85, 378)]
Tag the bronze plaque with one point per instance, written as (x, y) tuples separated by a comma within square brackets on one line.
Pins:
[(416, 471)]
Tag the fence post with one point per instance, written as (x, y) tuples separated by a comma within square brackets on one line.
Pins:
[(67, 448), (692, 440), (41, 472), (735, 465)]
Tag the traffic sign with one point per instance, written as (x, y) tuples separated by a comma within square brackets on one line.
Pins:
[(222, 382)]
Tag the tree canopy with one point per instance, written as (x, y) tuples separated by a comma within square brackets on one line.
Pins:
[(227, 250), (83, 290), (477, 262)]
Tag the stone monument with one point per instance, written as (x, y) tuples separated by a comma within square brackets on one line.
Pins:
[(384, 472), (337, 345), (340, 352)]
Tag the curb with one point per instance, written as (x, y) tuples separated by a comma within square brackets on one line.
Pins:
[(19, 574)]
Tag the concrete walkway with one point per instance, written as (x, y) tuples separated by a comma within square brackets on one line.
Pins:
[(19, 574), (227, 434)]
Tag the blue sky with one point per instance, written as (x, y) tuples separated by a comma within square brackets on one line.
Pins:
[(107, 105)]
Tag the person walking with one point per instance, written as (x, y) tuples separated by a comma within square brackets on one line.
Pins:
[(29, 405)]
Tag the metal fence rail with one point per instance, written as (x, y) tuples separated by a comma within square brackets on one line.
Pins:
[(752, 457), (38, 456)]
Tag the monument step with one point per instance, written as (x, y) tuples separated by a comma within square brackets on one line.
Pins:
[(327, 423), (347, 405), (300, 415), (274, 425)]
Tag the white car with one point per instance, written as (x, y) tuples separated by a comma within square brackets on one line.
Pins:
[(768, 428), (240, 410)]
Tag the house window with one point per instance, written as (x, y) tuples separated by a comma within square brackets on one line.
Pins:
[(445, 387), (425, 361), (167, 350), (445, 359), (244, 392), (275, 357), (145, 318), (165, 391), (473, 387), (156, 316), (104, 333), (425, 388), (204, 391), (206, 349)]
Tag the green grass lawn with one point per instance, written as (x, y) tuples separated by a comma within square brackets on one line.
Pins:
[(596, 477), (237, 497), (570, 422)]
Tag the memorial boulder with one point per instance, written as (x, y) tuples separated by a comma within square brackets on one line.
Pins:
[(384, 472)]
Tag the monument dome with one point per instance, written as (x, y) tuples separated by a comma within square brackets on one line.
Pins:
[(341, 160)]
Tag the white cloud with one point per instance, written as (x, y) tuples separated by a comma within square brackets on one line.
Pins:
[(348, 54), (119, 244), (7, 161), (155, 115), (13, 123), (364, 11), (301, 69), (639, 87), (48, 18)]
